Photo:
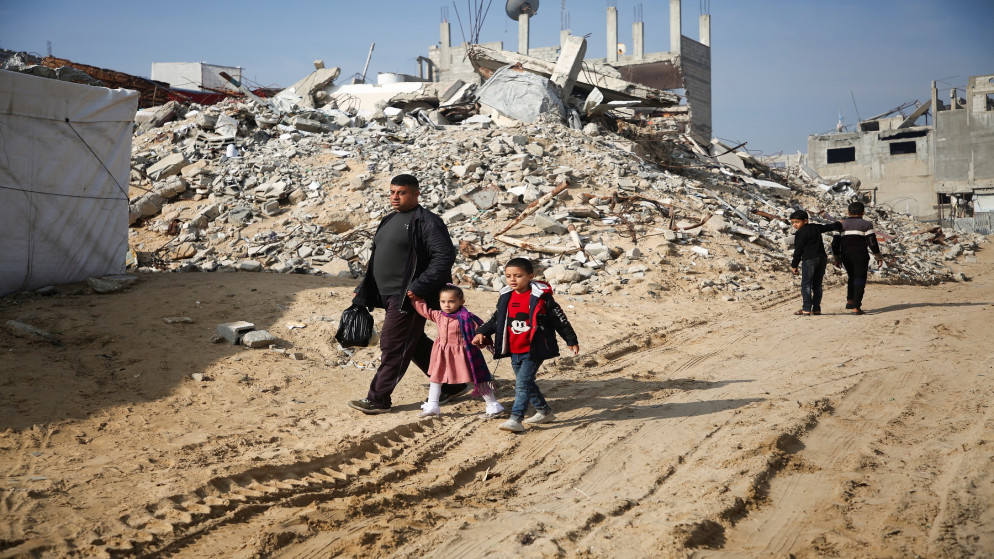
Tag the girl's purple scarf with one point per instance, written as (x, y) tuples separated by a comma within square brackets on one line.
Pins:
[(468, 323)]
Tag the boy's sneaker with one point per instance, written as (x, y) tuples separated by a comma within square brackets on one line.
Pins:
[(368, 406), (430, 409), (512, 425), (452, 391), (541, 417)]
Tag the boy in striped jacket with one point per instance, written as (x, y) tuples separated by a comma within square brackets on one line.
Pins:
[(852, 250)]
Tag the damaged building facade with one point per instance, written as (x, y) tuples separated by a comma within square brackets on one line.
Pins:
[(686, 68), (943, 171)]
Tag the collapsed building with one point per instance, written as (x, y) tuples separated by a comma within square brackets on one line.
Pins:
[(685, 68), (940, 172)]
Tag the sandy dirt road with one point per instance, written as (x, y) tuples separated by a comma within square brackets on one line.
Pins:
[(685, 428)]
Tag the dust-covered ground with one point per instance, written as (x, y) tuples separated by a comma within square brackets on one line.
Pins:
[(686, 427)]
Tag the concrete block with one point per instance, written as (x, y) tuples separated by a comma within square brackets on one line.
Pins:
[(232, 331), (459, 213), (549, 225), (250, 266), (271, 207), (168, 166), (307, 124), (258, 338)]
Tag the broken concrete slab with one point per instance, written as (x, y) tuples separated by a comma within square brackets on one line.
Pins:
[(110, 284), (612, 86), (169, 165), (305, 89)]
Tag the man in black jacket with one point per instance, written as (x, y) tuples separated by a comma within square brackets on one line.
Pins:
[(412, 251)]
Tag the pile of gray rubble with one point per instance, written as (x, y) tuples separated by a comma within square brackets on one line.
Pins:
[(609, 202)]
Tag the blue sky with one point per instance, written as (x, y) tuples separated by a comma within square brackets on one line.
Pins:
[(781, 69)]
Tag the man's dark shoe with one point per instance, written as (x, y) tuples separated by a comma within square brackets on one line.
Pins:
[(368, 407), (452, 391), (858, 310), (849, 304)]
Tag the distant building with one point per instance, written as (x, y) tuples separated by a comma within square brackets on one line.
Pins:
[(934, 172), (195, 76)]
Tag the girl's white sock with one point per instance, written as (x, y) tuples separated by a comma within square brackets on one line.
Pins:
[(434, 393)]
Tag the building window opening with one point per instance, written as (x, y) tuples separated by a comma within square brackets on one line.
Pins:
[(900, 148), (989, 106), (842, 155)]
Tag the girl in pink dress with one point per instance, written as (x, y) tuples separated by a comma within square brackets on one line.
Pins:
[(454, 360)]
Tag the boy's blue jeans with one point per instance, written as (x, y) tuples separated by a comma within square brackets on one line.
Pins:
[(812, 276), (525, 390)]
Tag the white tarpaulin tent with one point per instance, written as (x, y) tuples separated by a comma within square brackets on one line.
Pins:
[(65, 153)]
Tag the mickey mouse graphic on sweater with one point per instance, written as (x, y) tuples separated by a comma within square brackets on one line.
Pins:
[(519, 327)]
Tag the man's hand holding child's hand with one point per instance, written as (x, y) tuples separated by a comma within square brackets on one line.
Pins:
[(413, 297)]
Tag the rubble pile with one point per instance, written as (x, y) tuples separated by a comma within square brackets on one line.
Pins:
[(601, 204), (230, 193)]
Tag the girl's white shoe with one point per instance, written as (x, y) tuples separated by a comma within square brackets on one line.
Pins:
[(494, 409), (428, 409)]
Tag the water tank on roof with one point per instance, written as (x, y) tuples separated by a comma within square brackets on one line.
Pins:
[(517, 8)]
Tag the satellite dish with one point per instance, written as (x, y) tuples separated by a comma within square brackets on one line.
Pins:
[(622, 48), (517, 8)]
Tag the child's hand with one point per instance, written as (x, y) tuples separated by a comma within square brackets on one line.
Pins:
[(479, 340), (575, 349), (413, 297)]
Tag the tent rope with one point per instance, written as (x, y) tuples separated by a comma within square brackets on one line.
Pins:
[(55, 194), (119, 187)]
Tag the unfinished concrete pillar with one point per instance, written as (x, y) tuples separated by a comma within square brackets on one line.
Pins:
[(445, 44), (563, 36), (612, 34), (568, 65), (523, 30), (706, 30), (676, 29), (638, 40), (953, 105)]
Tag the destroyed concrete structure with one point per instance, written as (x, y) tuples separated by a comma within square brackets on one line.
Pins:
[(940, 171), (686, 67)]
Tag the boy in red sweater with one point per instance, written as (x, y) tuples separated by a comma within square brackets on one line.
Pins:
[(524, 327)]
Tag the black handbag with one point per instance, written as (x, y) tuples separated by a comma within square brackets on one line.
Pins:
[(355, 329)]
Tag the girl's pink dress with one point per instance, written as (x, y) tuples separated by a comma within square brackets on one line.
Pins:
[(448, 355)]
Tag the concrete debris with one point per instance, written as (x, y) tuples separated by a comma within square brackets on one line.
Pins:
[(111, 284), (26, 331), (620, 200), (232, 332), (258, 339)]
